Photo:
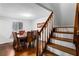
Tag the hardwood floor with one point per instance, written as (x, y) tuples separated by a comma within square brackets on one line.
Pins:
[(7, 50), (26, 52)]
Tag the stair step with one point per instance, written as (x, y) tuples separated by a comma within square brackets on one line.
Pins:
[(63, 48), (63, 43), (62, 39), (64, 32), (63, 35), (48, 53), (65, 27)]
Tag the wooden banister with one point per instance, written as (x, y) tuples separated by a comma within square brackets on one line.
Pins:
[(46, 22), (43, 35)]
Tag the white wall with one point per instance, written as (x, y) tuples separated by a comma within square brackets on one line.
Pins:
[(55, 7), (5, 31), (67, 14), (34, 23), (10, 13), (64, 13), (6, 28)]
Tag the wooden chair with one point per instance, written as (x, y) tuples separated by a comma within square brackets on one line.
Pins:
[(31, 36), (16, 42)]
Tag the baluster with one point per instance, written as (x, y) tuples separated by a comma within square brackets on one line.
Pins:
[(41, 41), (39, 45), (50, 26), (48, 30), (38, 38), (52, 21), (43, 38), (46, 34)]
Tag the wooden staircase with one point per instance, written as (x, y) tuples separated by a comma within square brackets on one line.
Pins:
[(56, 41), (61, 42)]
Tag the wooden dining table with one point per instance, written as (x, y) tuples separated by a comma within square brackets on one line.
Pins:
[(22, 41)]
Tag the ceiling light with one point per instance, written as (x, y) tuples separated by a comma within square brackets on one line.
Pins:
[(27, 15)]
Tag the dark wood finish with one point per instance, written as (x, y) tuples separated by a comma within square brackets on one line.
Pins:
[(16, 43), (31, 37), (62, 39), (76, 29), (76, 25), (62, 48), (29, 51), (26, 52), (48, 53), (6, 49), (37, 42)]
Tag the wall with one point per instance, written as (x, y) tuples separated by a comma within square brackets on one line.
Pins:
[(55, 8), (67, 14), (6, 28), (5, 31), (64, 13), (34, 23)]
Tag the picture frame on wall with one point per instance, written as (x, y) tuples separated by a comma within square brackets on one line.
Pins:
[(40, 25)]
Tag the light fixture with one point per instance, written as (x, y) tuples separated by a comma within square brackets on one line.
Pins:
[(27, 15)]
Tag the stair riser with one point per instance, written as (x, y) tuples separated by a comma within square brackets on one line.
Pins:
[(63, 43), (70, 36), (65, 29), (58, 52)]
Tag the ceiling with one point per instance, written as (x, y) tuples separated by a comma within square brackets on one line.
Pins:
[(23, 11)]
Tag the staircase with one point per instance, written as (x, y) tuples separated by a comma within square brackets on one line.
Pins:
[(55, 41), (61, 42)]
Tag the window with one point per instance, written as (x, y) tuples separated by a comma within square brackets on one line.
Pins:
[(17, 26)]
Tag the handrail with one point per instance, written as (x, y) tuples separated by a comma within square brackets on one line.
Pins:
[(46, 22), (43, 35)]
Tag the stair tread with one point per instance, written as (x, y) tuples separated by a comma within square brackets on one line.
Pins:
[(64, 32), (65, 27), (63, 48), (62, 39), (48, 53)]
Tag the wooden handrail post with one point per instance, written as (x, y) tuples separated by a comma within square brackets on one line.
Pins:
[(42, 34)]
